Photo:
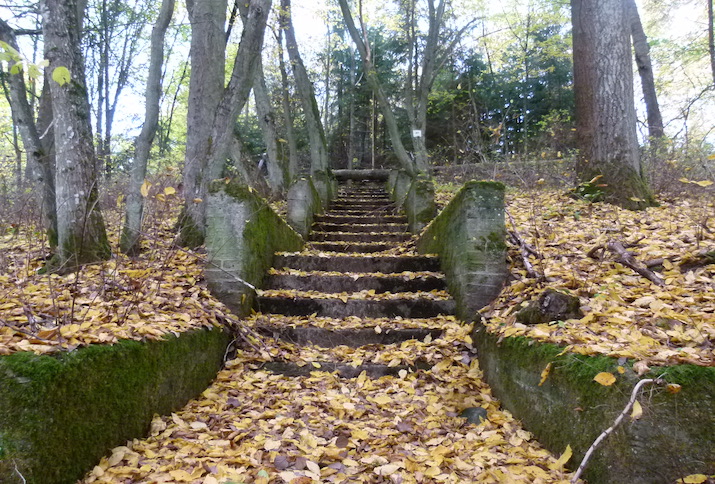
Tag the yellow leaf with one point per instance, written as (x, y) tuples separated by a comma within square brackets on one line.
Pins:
[(684, 180), (604, 378), (672, 388), (545, 374), (637, 411), (386, 470), (169, 191), (198, 200), (61, 75), (181, 475), (703, 183), (621, 370), (272, 445), (315, 364), (562, 460), (402, 374), (694, 479), (343, 298), (145, 188), (382, 400)]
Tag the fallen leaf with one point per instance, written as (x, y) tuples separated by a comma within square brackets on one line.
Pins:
[(562, 460), (545, 373), (637, 411), (605, 378)]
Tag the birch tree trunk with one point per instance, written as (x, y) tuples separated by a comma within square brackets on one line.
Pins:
[(130, 242), (206, 84), (605, 108), (81, 233), (374, 82), (316, 134), (645, 70)]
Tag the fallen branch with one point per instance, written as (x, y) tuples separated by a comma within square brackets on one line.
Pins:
[(626, 258), (616, 423), (524, 249)]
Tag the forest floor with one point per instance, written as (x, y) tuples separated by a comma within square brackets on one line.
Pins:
[(161, 292)]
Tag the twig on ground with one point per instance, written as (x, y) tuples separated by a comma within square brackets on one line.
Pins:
[(19, 473), (626, 258), (616, 423), (524, 249)]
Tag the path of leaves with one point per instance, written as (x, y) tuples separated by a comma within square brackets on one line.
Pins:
[(255, 426)]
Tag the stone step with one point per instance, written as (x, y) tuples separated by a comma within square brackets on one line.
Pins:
[(344, 371), (360, 203), (363, 308), (355, 219), (354, 338), (330, 227), (347, 246), (348, 212), (385, 264), (322, 282), (349, 236)]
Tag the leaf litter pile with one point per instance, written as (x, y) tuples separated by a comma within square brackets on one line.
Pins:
[(252, 425), (625, 314)]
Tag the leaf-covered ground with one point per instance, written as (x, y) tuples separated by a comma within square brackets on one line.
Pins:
[(625, 315)]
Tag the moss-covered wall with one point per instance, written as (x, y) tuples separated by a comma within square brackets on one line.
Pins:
[(468, 235), (674, 438), (303, 203), (242, 234), (60, 413)]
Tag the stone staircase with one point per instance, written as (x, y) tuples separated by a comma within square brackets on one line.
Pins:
[(358, 265)]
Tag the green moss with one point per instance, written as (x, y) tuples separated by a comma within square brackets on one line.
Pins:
[(487, 184), (59, 414), (673, 438)]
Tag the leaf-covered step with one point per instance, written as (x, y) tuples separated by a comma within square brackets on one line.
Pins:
[(353, 337), (349, 236), (456, 329), (333, 283), (360, 203), (365, 219), (359, 211), (355, 263), (382, 228), (339, 308), (344, 371), (347, 246)]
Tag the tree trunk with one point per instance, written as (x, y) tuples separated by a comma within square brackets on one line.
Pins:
[(605, 108), (711, 37), (374, 82), (206, 84), (287, 114), (131, 234), (316, 134), (236, 94), (645, 70), (267, 122), (39, 163), (81, 234)]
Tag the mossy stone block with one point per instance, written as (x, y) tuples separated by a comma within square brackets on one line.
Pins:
[(469, 237), (243, 232), (60, 413), (675, 436)]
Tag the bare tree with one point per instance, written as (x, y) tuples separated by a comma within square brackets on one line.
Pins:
[(393, 128), (131, 234), (605, 107), (206, 84), (316, 133), (645, 70), (39, 164), (81, 234)]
